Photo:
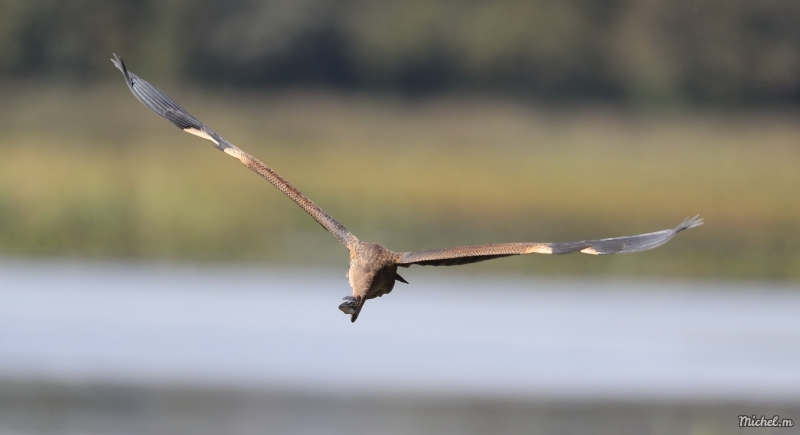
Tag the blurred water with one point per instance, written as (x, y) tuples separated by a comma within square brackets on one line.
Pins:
[(442, 335)]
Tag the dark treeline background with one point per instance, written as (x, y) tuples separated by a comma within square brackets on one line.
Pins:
[(722, 52)]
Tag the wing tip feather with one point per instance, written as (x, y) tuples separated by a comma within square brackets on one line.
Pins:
[(119, 63), (690, 222)]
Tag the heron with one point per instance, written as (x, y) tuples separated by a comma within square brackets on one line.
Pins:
[(373, 267)]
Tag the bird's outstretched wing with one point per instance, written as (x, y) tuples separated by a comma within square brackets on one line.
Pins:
[(163, 105), (473, 254)]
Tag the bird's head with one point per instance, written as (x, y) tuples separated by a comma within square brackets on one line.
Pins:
[(349, 305)]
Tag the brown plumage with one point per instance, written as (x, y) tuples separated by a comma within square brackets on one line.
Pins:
[(373, 268)]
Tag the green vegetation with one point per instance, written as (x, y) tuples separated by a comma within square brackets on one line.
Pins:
[(91, 173)]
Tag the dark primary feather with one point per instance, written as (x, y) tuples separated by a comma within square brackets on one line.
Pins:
[(166, 107), (473, 254), (641, 242), (163, 105)]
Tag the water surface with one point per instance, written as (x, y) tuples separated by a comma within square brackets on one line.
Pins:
[(445, 334)]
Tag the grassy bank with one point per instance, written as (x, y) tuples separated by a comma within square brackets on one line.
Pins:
[(91, 173)]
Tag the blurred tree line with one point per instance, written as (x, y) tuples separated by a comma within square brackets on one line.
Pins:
[(656, 51)]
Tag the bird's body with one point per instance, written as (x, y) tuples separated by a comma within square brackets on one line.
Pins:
[(373, 267), (372, 272)]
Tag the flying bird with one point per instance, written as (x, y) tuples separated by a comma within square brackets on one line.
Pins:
[(373, 267)]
